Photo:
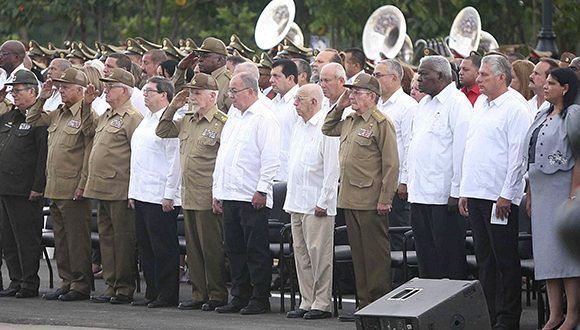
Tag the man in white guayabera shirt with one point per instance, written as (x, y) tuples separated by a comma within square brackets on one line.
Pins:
[(313, 171), (491, 180), (247, 163), (154, 194), (434, 170)]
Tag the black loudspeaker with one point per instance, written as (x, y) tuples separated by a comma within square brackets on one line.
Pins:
[(423, 304)]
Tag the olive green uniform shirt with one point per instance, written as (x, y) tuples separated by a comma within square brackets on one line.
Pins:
[(223, 77), (199, 141), (70, 139), (110, 159), (369, 162)]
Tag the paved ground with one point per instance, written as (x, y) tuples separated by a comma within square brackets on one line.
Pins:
[(33, 314)]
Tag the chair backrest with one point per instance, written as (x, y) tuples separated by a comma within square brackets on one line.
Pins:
[(279, 195)]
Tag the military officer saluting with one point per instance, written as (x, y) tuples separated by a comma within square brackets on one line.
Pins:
[(70, 131), (199, 133), (22, 181), (369, 171), (108, 182)]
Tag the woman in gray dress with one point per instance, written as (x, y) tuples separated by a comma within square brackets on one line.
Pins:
[(550, 170)]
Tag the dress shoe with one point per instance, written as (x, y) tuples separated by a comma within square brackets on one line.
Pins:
[(53, 295), (141, 302), (73, 295), (296, 314), (121, 299), (233, 307), (101, 299), (317, 314), (26, 293), (211, 305), (255, 307), (346, 317), (190, 304), (159, 304), (10, 292)]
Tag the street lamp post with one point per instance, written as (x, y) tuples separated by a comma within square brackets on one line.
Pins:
[(547, 37)]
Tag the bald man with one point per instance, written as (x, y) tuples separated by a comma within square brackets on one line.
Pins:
[(313, 171), (12, 54)]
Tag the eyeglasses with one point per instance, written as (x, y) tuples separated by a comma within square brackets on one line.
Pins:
[(299, 98), (379, 75), (6, 53), (18, 90), (148, 90), (358, 92), (233, 91)]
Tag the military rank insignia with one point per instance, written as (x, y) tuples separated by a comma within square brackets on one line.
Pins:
[(116, 123), (209, 133), (366, 133), (24, 126), (74, 123)]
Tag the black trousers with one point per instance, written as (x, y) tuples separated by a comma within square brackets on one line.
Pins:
[(21, 224), (399, 216), (248, 249), (439, 241), (496, 251), (156, 233)]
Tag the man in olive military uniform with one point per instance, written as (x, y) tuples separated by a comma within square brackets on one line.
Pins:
[(211, 59), (22, 177), (369, 166), (70, 130), (108, 182), (199, 132)]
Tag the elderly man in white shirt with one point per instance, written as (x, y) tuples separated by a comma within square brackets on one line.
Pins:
[(247, 163), (332, 80), (155, 195), (311, 201), (284, 80), (492, 188), (399, 107), (434, 170)]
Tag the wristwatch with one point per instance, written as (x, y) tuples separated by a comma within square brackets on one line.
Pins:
[(262, 193)]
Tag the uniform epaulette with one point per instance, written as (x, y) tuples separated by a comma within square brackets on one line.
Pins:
[(228, 74), (130, 112), (378, 116), (221, 116)]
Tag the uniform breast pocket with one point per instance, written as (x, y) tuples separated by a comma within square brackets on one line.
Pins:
[(70, 137), (207, 143), (112, 134), (362, 148)]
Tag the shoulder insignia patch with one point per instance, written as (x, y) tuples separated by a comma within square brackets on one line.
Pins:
[(221, 116), (378, 116)]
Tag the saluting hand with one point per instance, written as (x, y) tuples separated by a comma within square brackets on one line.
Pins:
[(91, 94), (384, 208), (46, 90), (179, 99), (344, 100), (3, 93), (189, 61)]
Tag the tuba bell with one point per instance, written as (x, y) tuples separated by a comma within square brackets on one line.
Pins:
[(465, 32), (487, 43), (295, 34), (274, 23), (384, 32)]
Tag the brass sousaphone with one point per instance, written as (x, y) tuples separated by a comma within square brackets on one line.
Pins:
[(384, 32), (274, 23), (465, 32)]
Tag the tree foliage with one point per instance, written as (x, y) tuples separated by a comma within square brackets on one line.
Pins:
[(112, 21)]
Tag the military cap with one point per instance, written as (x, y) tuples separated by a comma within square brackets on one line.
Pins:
[(34, 49), (73, 76), (534, 53), (133, 47), (106, 49), (290, 47), (369, 67), (85, 49), (213, 45), (265, 61), (567, 57), (428, 51), (119, 75), (148, 45), (189, 45), (366, 81), (237, 45), (170, 49), (58, 52), (75, 51), (24, 77), (203, 81)]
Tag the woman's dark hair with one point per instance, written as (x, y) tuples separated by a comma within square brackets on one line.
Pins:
[(565, 76), (168, 67)]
